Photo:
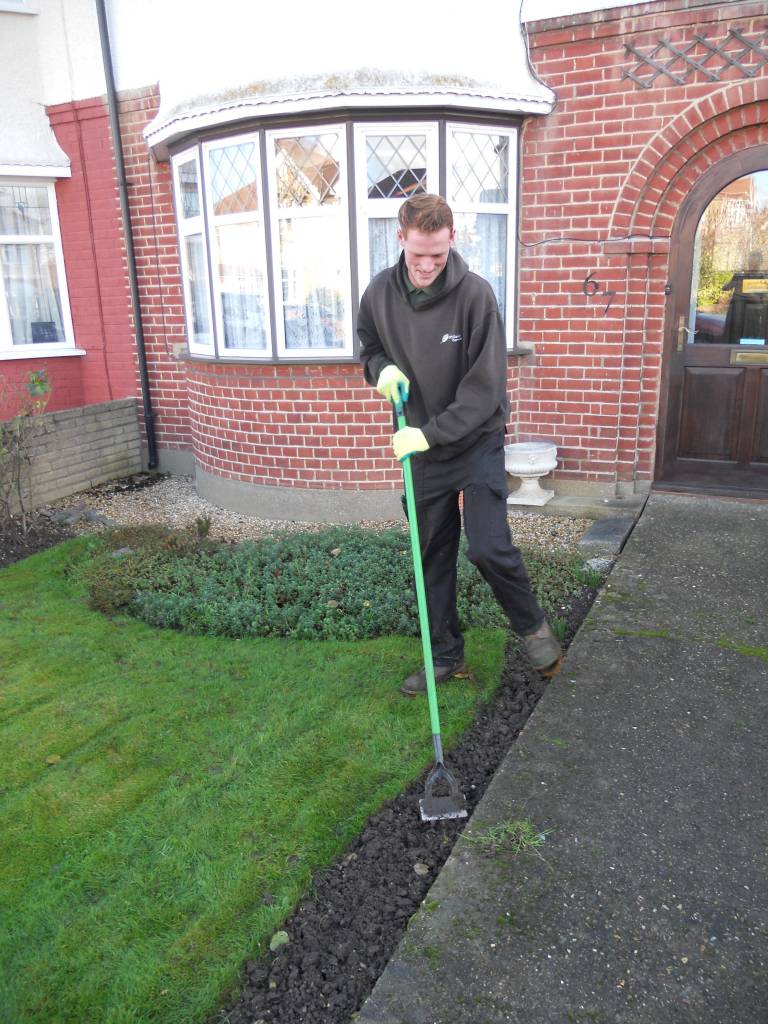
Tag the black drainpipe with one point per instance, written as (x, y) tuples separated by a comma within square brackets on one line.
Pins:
[(109, 75)]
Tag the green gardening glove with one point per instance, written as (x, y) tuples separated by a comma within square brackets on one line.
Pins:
[(389, 378)]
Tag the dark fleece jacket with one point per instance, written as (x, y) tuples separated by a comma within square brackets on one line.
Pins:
[(451, 347)]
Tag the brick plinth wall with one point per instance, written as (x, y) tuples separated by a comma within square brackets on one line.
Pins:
[(603, 178), (73, 449)]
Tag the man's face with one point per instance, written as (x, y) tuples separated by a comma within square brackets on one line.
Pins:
[(426, 254)]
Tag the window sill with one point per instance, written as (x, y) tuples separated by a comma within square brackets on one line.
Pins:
[(17, 8), (39, 352), (520, 351)]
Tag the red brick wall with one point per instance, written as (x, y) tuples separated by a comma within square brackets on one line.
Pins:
[(159, 270), (615, 161), (94, 257), (602, 179), (312, 425), (97, 284)]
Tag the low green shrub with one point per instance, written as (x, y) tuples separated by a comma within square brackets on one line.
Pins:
[(341, 583)]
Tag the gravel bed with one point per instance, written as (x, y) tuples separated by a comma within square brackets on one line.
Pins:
[(173, 501)]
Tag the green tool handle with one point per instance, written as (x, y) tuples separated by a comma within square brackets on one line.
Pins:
[(421, 593)]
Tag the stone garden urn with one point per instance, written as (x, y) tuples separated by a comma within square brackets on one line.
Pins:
[(530, 460)]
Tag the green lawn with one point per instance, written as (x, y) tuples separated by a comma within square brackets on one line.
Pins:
[(189, 777)]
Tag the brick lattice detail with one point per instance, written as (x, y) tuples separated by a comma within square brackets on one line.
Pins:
[(679, 61)]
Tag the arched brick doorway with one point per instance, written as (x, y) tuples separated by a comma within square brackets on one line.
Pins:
[(713, 423)]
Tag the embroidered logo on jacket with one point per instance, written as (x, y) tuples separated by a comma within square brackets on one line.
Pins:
[(450, 337)]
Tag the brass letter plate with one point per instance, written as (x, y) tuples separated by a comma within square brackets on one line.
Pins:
[(740, 358)]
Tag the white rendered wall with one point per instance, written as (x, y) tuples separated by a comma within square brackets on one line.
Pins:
[(52, 56), (196, 49)]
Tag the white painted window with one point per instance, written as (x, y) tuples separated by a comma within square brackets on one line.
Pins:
[(307, 173), (482, 192), (392, 162), (281, 230), (194, 259), (237, 245), (35, 318)]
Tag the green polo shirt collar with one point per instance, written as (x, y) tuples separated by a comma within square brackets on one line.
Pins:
[(416, 295)]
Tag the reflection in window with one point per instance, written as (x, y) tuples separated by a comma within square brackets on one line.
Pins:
[(729, 295)]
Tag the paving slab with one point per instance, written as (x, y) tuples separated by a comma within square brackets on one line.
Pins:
[(607, 536), (645, 767)]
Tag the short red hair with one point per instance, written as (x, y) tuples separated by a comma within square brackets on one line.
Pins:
[(426, 212)]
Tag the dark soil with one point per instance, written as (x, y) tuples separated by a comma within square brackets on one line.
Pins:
[(346, 929), (41, 534)]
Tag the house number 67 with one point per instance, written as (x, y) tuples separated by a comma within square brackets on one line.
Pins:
[(592, 287)]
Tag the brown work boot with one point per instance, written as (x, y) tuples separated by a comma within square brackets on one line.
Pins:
[(543, 650), (417, 683)]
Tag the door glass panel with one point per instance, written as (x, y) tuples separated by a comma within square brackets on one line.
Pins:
[(729, 294)]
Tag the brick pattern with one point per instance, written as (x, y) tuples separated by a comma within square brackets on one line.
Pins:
[(94, 254), (602, 180), (76, 448)]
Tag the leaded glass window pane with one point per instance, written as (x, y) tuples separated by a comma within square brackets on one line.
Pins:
[(24, 210), (396, 165), (308, 172), (313, 255), (234, 179), (190, 190), (480, 168)]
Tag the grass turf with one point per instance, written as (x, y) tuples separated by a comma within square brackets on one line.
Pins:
[(164, 799)]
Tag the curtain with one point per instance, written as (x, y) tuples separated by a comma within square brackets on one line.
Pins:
[(32, 293)]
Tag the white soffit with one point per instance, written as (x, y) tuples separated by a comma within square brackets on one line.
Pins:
[(251, 61)]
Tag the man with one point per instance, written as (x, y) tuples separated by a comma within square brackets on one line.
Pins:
[(433, 326)]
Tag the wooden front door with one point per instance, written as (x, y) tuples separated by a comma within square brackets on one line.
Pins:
[(713, 430)]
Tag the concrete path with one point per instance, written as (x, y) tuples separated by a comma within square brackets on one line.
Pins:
[(646, 765)]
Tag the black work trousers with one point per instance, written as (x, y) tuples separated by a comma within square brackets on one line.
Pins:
[(479, 473)]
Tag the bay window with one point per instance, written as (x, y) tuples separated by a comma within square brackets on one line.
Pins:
[(34, 311), (280, 230)]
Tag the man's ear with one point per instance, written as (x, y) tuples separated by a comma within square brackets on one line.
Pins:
[(400, 236), (453, 236)]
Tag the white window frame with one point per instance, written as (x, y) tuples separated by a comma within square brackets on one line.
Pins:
[(509, 209), (338, 211), (367, 209), (439, 170), (187, 226), (66, 347), (215, 220)]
